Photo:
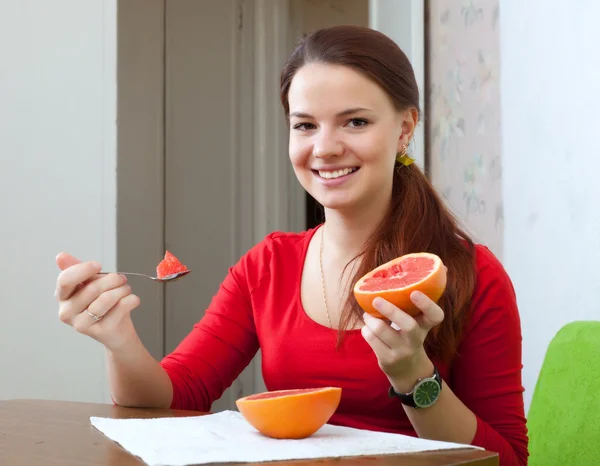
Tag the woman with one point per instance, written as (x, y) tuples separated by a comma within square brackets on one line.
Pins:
[(352, 103)]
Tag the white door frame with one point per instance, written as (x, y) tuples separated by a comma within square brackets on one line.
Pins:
[(404, 22)]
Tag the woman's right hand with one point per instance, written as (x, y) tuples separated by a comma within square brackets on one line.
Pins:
[(81, 292)]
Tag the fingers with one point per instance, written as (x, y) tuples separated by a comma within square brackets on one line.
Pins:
[(405, 322), (107, 300), (65, 260), (125, 304), (432, 315), (399, 351), (380, 329), (89, 293), (71, 277), (391, 357), (378, 346)]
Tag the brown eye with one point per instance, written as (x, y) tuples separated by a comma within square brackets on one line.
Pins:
[(304, 126), (358, 122)]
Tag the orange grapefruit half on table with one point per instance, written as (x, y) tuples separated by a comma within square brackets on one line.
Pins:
[(397, 279), (290, 414)]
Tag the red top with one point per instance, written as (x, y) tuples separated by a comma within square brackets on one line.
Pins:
[(258, 306)]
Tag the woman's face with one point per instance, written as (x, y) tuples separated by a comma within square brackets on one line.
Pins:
[(344, 136)]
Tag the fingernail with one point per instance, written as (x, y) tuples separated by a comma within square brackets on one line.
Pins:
[(377, 303), (124, 277), (96, 265), (416, 296)]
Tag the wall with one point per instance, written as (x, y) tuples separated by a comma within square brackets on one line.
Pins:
[(513, 148), (57, 186), (550, 122), (464, 131)]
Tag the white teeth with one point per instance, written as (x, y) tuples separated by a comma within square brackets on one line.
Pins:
[(336, 173)]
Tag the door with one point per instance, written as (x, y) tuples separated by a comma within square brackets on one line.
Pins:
[(207, 192), (186, 158)]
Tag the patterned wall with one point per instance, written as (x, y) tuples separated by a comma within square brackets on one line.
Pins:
[(463, 113)]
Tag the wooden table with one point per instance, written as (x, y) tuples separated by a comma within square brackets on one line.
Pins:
[(36, 432)]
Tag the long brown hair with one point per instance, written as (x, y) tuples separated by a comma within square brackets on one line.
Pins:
[(418, 220)]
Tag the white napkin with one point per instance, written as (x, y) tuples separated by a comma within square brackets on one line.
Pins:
[(227, 437)]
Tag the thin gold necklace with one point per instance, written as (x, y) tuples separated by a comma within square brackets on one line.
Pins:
[(323, 276)]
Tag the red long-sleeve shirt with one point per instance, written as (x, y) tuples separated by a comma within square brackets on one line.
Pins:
[(258, 306)]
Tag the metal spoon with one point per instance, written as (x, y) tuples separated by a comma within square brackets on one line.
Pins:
[(165, 279)]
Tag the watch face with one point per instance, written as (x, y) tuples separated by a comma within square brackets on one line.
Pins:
[(427, 393)]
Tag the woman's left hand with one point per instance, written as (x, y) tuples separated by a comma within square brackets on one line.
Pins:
[(400, 353)]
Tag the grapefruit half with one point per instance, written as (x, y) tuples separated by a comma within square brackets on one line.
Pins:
[(397, 279), (290, 414)]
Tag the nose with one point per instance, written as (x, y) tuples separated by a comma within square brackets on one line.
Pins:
[(327, 144)]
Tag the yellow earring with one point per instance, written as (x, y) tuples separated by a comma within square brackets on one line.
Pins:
[(403, 158)]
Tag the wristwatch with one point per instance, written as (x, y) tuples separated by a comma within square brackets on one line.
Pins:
[(424, 394)]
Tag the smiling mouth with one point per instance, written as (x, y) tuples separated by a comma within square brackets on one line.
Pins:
[(332, 174)]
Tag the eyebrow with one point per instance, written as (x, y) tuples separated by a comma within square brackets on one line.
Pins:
[(348, 111)]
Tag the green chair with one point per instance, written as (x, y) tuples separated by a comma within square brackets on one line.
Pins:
[(564, 415)]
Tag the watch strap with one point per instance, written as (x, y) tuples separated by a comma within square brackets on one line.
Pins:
[(408, 398)]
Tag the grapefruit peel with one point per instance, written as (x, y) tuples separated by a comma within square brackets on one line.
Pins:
[(290, 414)]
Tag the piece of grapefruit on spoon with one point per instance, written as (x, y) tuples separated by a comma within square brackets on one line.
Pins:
[(395, 280), (170, 266)]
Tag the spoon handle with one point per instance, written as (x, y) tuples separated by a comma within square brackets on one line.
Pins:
[(127, 273)]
